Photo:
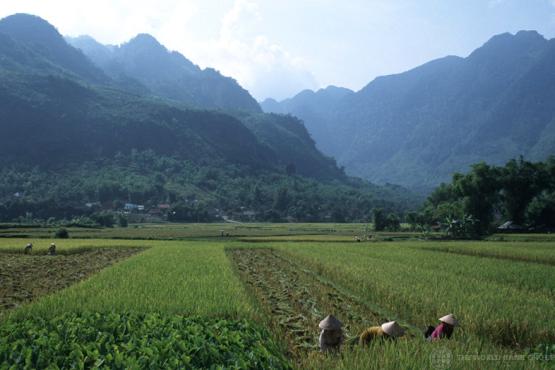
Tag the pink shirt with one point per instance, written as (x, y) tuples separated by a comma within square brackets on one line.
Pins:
[(441, 331)]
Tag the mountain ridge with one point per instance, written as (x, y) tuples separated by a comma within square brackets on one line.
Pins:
[(166, 73), (418, 127)]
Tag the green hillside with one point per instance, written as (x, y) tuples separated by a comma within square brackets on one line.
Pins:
[(70, 135)]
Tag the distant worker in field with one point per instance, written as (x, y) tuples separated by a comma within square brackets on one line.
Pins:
[(388, 330), (331, 335), (444, 329), (28, 248), (52, 249)]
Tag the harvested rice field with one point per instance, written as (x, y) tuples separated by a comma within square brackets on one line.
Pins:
[(255, 301), (24, 278)]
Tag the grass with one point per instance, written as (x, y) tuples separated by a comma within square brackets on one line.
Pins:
[(192, 278), (502, 291), (499, 301), (537, 252), (169, 231)]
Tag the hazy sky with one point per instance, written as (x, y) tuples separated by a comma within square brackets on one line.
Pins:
[(275, 48)]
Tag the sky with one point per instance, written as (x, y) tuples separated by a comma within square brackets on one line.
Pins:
[(276, 48)]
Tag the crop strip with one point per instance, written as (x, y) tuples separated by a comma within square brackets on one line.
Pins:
[(486, 254), (296, 299), (378, 311), (24, 278)]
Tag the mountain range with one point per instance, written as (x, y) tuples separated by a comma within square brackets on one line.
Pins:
[(147, 63), (419, 127), (138, 123)]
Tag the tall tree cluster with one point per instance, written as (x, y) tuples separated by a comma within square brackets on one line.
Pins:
[(521, 191)]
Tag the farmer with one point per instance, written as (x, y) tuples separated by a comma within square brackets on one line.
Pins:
[(52, 249), (388, 330), (445, 328), (28, 248), (331, 335)]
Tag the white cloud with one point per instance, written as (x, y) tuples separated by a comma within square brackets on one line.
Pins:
[(106, 20), (224, 34), (265, 68)]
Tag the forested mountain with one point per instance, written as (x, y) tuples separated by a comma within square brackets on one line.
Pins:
[(314, 108), (418, 127), (30, 44), (72, 135), (167, 74)]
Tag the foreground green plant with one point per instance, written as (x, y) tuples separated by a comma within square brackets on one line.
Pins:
[(132, 341)]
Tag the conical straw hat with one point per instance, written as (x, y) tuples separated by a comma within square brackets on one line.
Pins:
[(393, 329), (449, 319), (330, 323)]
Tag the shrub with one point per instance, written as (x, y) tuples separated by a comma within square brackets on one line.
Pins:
[(122, 221), (62, 233)]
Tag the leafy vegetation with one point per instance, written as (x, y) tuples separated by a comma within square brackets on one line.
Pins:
[(139, 341), (521, 192), (196, 193)]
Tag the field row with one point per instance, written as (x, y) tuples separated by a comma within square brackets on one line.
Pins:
[(295, 295), (504, 302)]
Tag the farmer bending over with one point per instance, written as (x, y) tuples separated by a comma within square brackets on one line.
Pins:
[(388, 330), (331, 335), (52, 249), (28, 248), (444, 329)]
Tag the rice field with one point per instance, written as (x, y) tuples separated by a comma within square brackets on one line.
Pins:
[(280, 280)]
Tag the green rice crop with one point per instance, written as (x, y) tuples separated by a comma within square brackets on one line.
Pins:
[(504, 302), (191, 278)]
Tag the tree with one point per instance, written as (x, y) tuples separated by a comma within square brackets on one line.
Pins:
[(461, 228), (541, 211), (412, 220), (479, 190), (338, 214), (521, 181), (392, 222), (61, 233), (105, 219), (380, 221), (281, 200), (122, 221)]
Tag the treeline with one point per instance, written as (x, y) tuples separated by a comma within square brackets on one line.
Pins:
[(475, 203), (193, 193)]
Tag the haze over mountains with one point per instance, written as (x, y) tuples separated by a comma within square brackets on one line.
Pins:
[(118, 128), (419, 127), (167, 74)]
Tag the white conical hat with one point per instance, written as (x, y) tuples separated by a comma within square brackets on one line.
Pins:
[(330, 323), (449, 319), (393, 329)]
